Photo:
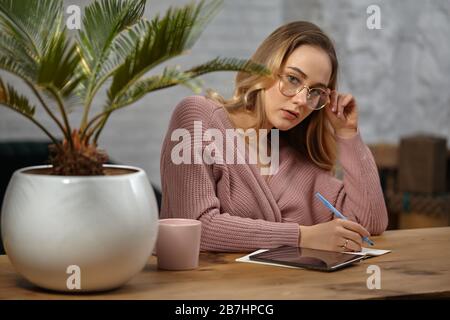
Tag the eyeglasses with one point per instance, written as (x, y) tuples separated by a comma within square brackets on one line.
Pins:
[(290, 86)]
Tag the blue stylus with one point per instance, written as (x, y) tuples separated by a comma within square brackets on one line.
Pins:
[(338, 214)]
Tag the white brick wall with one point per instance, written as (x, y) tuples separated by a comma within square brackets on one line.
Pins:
[(400, 74)]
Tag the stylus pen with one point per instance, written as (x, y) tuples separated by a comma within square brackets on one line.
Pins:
[(338, 214)]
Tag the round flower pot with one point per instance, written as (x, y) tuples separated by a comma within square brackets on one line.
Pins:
[(79, 233)]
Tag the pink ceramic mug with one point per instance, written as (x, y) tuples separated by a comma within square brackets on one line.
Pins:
[(178, 244)]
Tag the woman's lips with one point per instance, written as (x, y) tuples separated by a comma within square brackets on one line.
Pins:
[(290, 115)]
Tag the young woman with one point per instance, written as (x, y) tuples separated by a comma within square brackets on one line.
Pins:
[(241, 209)]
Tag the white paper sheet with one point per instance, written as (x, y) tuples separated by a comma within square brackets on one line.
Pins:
[(369, 252)]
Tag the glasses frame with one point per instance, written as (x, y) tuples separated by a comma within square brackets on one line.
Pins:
[(300, 89)]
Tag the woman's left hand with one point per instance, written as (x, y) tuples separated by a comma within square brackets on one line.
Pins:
[(342, 112)]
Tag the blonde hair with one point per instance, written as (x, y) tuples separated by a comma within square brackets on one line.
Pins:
[(313, 137)]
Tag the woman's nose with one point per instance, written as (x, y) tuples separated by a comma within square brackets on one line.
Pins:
[(301, 97)]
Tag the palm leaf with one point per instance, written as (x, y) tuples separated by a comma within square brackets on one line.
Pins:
[(173, 76), (14, 50), (10, 98), (170, 77), (58, 69), (22, 70), (203, 14), (59, 74), (115, 41), (122, 46), (103, 21), (31, 22), (34, 44), (162, 39), (228, 64)]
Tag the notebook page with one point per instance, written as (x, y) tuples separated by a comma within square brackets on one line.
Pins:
[(369, 252)]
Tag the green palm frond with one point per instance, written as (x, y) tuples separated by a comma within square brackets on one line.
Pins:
[(34, 44), (162, 39), (171, 76), (116, 43), (13, 49), (10, 98), (22, 70), (228, 64), (204, 12), (34, 47), (31, 22), (125, 42), (59, 65), (59, 75), (103, 22), (122, 46)]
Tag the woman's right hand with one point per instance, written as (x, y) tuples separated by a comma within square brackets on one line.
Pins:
[(335, 235)]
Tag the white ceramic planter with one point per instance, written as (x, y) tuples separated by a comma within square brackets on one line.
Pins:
[(105, 225)]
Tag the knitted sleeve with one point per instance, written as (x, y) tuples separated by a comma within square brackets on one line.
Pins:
[(359, 196)]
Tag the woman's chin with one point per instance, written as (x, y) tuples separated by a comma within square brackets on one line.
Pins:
[(285, 125)]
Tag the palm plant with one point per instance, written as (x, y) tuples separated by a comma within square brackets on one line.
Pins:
[(115, 48)]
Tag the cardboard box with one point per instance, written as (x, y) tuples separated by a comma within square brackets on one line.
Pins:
[(410, 211), (422, 164), (412, 220), (385, 155)]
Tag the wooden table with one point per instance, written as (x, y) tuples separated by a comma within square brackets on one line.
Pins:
[(419, 266)]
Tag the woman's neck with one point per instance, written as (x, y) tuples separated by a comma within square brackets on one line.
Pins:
[(246, 120)]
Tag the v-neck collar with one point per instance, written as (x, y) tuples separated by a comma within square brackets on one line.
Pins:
[(254, 167)]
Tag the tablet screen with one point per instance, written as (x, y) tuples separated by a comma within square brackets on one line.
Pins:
[(307, 258)]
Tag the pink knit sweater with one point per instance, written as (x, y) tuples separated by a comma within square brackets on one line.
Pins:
[(240, 211)]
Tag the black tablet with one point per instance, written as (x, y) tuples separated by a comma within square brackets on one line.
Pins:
[(307, 258)]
